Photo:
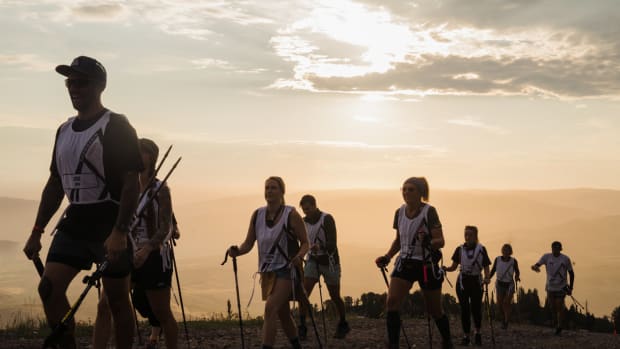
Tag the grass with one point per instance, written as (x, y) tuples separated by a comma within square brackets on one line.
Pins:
[(29, 326)]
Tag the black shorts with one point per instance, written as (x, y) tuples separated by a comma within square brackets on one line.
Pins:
[(151, 275), (561, 294), (81, 254), (412, 270), (504, 288)]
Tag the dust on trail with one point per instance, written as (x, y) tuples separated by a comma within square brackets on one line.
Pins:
[(369, 334)]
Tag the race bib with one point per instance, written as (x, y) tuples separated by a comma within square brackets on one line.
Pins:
[(79, 181)]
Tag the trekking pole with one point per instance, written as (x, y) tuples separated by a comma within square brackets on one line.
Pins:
[(402, 327), (238, 299), (445, 275), (154, 176), (38, 265), (176, 274), (322, 311), (306, 300), (52, 339), (486, 299), (576, 302)]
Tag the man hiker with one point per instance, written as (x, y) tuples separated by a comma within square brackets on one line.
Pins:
[(557, 266), (95, 164), (322, 259)]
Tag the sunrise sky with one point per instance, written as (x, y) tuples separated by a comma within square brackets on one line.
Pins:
[(328, 94)]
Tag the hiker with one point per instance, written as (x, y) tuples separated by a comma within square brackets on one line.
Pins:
[(152, 274), (323, 259), (95, 163), (282, 243), (557, 266), (473, 258), (419, 238), (508, 275)]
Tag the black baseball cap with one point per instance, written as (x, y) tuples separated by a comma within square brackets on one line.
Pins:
[(556, 244), (84, 65)]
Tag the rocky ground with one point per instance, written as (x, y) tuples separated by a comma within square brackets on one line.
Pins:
[(365, 334)]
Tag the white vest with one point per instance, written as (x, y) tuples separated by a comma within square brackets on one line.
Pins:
[(272, 242), (410, 244), (316, 234), (79, 160), (140, 233), (505, 270), (471, 260)]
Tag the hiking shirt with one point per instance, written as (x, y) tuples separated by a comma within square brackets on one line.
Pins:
[(505, 270), (557, 270), (408, 228), (273, 242), (322, 231), (91, 158)]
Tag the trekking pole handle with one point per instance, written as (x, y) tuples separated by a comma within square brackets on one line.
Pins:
[(225, 258)]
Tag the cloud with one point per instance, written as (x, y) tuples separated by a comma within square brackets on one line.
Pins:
[(99, 12), (477, 124), (26, 61), (454, 48), (524, 76)]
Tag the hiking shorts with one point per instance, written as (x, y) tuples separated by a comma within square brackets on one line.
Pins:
[(412, 270), (504, 288), (268, 281), (331, 275), (81, 254), (556, 294), (151, 275)]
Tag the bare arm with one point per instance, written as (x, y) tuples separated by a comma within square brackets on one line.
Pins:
[(486, 274), (395, 247), (250, 238), (165, 217), (437, 240), (299, 229), (51, 198), (116, 242), (453, 266), (129, 201)]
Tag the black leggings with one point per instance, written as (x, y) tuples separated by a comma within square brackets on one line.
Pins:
[(470, 297)]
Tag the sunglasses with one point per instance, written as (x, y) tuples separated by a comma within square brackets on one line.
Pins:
[(79, 83)]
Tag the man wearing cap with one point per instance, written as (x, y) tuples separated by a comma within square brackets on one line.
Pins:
[(557, 265), (95, 164)]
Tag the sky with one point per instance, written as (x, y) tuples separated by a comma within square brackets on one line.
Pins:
[(328, 94)]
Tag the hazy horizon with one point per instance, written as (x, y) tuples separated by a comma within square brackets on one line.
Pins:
[(364, 219)]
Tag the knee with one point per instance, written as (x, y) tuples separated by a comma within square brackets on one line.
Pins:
[(392, 303), (270, 312), (162, 313), (118, 302)]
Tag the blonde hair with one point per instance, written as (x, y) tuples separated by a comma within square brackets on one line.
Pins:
[(281, 184)]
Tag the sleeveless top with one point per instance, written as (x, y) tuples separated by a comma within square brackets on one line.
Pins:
[(274, 243), (505, 270), (79, 161), (316, 234), (410, 244), (471, 260)]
